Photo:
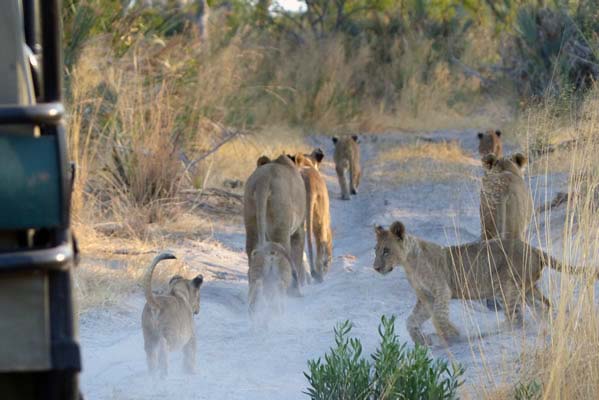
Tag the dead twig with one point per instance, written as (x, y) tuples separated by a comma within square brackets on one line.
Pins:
[(229, 135)]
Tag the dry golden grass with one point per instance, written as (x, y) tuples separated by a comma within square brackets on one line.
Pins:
[(107, 281), (237, 159), (447, 152), (565, 360), (423, 161)]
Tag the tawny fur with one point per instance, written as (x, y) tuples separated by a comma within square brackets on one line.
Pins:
[(274, 210), (490, 142), (477, 270), (506, 205), (347, 160), (269, 276), (167, 320), (318, 217)]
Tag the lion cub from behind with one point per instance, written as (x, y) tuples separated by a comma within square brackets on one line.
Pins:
[(347, 159), (269, 277), (318, 216), (506, 204), (167, 319)]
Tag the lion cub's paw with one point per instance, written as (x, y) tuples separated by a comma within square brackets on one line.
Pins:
[(421, 339)]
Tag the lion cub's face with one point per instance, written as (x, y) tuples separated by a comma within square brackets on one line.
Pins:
[(188, 289), (515, 164), (391, 248)]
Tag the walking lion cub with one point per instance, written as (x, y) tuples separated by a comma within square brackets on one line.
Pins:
[(347, 160), (167, 319), (471, 271)]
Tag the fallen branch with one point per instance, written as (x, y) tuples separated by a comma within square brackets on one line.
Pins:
[(190, 165), (128, 252), (214, 192)]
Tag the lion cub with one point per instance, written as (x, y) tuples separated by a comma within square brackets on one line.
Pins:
[(167, 319), (505, 201), (318, 216), (506, 204), (269, 277), (490, 142), (470, 271), (347, 159)]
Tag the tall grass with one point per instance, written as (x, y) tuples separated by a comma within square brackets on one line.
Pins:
[(568, 364), (564, 362)]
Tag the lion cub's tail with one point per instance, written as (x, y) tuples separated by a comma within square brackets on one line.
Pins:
[(147, 280), (553, 263)]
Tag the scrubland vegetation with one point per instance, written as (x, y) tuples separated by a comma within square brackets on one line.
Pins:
[(161, 118)]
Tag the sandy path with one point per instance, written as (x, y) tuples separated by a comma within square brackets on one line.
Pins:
[(236, 363)]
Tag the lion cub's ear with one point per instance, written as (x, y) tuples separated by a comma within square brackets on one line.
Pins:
[(262, 160), (197, 281), (498, 133), (398, 229), (293, 158), (318, 155), (520, 160), (355, 138), (335, 139), (379, 230), (489, 160)]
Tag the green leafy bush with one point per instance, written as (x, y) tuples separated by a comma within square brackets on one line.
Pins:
[(395, 371), (344, 374), (528, 391)]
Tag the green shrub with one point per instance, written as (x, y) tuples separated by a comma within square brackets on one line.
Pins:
[(528, 391), (396, 372), (344, 374)]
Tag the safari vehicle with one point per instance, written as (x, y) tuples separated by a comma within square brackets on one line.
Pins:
[(39, 352)]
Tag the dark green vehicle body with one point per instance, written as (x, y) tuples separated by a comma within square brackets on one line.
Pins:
[(39, 352)]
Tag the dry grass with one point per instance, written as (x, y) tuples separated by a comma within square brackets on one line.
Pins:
[(446, 152), (550, 125), (104, 278), (423, 161), (108, 281), (237, 159), (565, 360)]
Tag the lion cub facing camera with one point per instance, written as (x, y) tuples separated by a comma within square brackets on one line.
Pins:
[(167, 319)]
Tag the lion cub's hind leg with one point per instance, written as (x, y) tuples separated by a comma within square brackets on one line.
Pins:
[(151, 348), (342, 182), (189, 355), (162, 350), (354, 178), (534, 297), (513, 306), (297, 244)]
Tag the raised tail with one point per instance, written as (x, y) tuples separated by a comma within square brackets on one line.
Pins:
[(147, 280)]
